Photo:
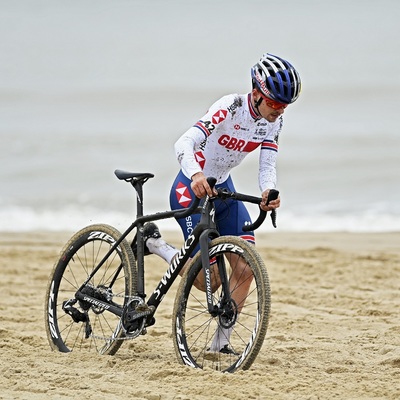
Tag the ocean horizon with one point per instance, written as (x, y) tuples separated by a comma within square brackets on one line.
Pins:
[(90, 87)]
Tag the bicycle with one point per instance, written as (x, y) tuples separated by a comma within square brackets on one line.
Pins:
[(96, 297)]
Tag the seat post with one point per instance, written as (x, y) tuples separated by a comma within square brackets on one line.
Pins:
[(138, 185)]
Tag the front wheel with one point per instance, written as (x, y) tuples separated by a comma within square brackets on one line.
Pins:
[(85, 323), (232, 339)]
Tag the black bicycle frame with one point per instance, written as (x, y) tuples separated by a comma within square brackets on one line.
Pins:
[(203, 231)]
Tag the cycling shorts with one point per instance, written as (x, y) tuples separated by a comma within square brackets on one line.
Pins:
[(230, 215)]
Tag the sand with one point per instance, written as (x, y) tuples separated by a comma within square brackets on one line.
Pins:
[(334, 331)]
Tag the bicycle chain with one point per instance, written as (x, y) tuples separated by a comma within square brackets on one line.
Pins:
[(110, 339)]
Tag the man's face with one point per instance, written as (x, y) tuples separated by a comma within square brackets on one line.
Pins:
[(269, 109)]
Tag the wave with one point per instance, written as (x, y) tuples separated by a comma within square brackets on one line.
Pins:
[(26, 219)]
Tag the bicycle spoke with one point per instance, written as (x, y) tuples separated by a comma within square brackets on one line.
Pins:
[(233, 338), (82, 325)]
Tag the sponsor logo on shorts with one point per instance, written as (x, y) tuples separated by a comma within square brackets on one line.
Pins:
[(183, 195)]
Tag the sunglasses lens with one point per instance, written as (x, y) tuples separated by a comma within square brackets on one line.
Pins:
[(274, 104), (277, 106)]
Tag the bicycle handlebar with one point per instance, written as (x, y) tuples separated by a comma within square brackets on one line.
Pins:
[(187, 211), (272, 195), (226, 194)]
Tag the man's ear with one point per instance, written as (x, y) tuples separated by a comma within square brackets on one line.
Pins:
[(255, 94)]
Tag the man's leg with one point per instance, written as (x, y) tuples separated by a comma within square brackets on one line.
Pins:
[(231, 219), (240, 280)]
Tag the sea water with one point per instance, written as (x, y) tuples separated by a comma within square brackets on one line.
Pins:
[(87, 87)]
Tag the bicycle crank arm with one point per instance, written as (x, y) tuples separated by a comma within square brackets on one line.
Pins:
[(140, 312), (135, 316)]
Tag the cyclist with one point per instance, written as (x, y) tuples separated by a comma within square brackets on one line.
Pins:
[(234, 126)]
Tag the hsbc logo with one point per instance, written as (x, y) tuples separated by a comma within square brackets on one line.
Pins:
[(183, 195), (219, 116), (199, 156)]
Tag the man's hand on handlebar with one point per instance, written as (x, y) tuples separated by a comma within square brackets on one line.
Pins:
[(200, 186), (272, 204)]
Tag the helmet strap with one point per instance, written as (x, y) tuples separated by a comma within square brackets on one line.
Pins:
[(257, 104)]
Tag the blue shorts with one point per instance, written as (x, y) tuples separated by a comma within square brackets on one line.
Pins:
[(231, 215)]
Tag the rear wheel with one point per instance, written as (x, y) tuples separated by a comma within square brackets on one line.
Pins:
[(232, 339), (76, 324)]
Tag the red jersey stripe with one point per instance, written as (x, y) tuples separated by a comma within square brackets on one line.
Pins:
[(250, 146), (202, 127), (269, 146), (251, 108)]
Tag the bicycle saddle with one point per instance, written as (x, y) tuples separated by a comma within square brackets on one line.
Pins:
[(128, 176)]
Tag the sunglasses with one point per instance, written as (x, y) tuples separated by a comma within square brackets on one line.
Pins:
[(274, 104)]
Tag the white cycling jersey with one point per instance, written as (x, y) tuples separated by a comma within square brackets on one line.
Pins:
[(229, 131)]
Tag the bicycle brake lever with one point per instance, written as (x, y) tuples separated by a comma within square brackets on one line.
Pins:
[(272, 195), (211, 181), (273, 218)]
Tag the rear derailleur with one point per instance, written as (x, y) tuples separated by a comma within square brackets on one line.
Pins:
[(100, 293)]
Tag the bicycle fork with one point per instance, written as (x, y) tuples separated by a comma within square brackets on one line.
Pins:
[(219, 309)]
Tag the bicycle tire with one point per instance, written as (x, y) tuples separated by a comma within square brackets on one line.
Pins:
[(77, 260), (194, 327)]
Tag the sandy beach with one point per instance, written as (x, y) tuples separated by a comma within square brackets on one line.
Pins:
[(334, 331)]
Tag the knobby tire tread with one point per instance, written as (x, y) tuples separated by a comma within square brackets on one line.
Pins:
[(257, 265), (71, 248)]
